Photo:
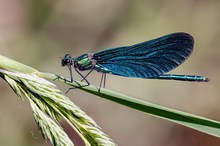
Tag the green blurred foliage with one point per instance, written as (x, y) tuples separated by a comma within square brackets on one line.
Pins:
[(39, 13)]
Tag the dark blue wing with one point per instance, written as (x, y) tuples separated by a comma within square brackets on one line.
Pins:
[(148, 59)]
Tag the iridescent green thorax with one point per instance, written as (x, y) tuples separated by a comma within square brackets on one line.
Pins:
[(86, 62), (83, 62)]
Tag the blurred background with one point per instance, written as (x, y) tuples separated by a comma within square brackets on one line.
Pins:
[(38, 32)]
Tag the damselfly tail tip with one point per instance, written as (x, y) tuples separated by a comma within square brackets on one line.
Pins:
[(206, 79)]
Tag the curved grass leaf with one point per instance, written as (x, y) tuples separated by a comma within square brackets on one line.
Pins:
[(49, 104), (189, 120), (199, 123)]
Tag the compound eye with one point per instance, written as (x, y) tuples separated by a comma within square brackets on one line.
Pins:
[(66, 60), (63, 62)]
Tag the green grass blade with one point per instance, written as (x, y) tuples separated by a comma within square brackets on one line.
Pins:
[(199, 123), (189, 120)]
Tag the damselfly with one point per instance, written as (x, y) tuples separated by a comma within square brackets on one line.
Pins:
[(147, 60)]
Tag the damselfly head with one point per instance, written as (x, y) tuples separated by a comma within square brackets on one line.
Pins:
[(66, 60)]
